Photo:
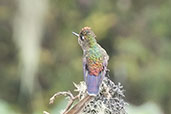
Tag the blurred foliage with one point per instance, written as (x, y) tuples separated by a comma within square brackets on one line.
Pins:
[(147, 108), (136, 35)]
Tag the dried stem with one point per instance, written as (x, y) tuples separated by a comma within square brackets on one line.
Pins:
[(69, 94), (70, 104), (108, 101), (44, 112), (76, 108), (79, 106)]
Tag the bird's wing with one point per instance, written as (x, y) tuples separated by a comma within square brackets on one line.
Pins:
[(85, 70)]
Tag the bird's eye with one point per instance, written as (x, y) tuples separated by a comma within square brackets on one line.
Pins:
[(82, 38)]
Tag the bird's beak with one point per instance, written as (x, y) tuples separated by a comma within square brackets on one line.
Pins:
[(76, 34)]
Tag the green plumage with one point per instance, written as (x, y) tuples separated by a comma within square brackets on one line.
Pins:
[(95, 60), (94, 54)]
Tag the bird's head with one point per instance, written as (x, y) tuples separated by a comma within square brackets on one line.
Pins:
[(86, 38)]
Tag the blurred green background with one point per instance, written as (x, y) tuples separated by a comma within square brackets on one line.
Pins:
[(39, 55)]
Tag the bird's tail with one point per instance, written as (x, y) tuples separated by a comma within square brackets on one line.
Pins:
[(93, 84)]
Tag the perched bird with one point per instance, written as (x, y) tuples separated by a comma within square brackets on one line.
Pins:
[(95, 60)]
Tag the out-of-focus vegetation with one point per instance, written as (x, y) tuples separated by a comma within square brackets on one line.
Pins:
[(136, 34)]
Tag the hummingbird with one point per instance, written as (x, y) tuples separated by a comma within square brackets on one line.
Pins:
[(95, 60)]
